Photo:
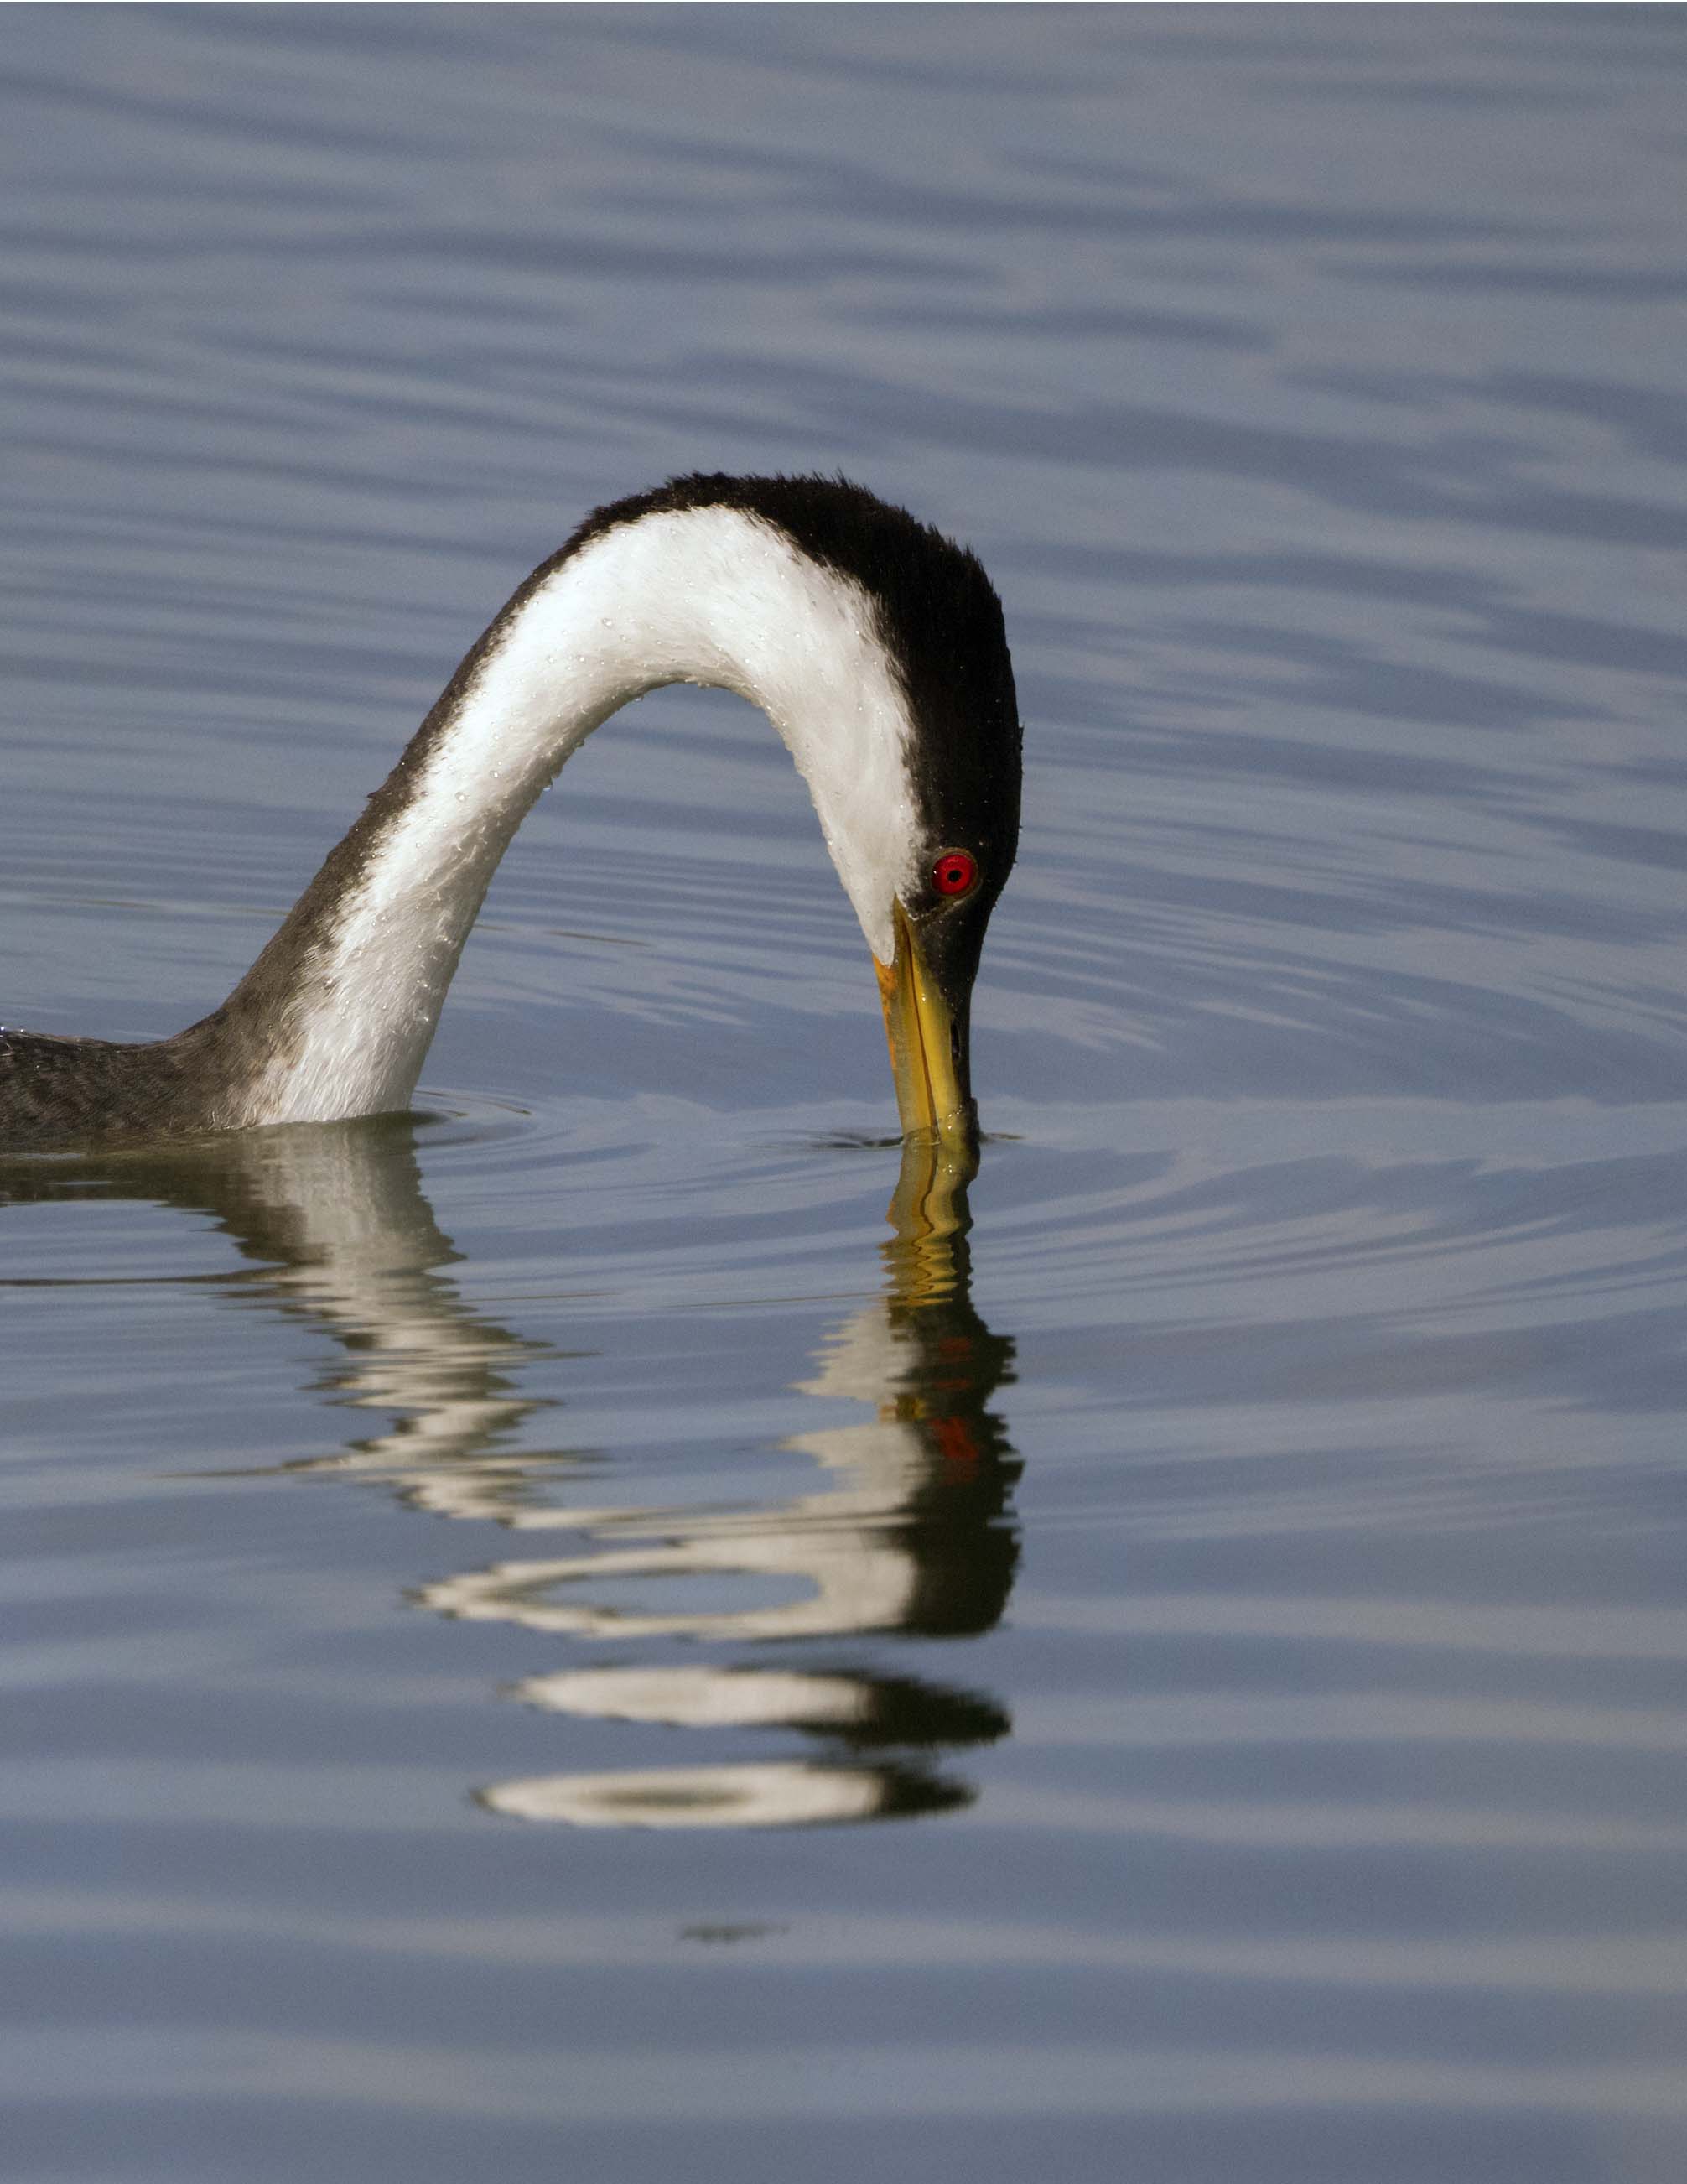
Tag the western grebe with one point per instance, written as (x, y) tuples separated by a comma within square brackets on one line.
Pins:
[(874, 645)]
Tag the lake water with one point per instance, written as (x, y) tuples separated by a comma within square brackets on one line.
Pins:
[(550, 1638)]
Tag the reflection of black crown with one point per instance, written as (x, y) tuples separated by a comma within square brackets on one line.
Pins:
[(966, 1572), (900, 1710)]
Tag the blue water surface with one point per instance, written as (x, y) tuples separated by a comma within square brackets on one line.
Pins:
[(551, 1638)]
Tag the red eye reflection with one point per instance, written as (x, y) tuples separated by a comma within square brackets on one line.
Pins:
[(954, 872)]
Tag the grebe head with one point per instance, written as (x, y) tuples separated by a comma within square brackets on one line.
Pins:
[(919, 806)]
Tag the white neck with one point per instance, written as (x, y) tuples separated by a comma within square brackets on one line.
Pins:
[(706, 595)]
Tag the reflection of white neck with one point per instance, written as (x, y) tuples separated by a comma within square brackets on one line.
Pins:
[(850, 1567), (777, 1794), (360, 1255), (422, 1352), (707, 595)]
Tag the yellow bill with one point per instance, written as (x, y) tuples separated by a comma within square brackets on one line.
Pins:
[(928, 1043)]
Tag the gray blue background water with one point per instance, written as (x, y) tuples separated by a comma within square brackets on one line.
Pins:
[(550, 1638)]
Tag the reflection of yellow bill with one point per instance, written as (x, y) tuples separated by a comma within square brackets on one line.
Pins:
[(929, 1071), (930, 1216)]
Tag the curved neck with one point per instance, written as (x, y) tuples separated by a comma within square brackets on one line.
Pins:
[(340, 1009)]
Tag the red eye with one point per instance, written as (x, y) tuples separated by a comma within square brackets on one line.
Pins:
[(954, 872)]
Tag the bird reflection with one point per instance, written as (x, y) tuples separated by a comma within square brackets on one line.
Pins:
[(906, 1530)]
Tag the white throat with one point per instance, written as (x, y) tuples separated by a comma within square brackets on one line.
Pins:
[(705, 595)]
